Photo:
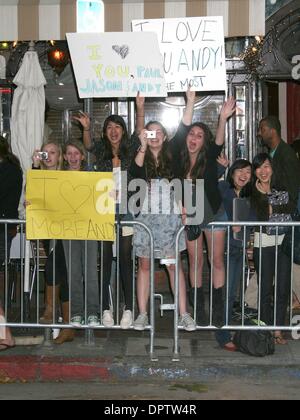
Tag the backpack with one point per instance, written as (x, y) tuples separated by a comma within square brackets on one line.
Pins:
[(256, 343)]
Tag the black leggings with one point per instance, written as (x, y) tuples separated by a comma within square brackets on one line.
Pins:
[(5, 247), (126, 269), (61, 274), (267, 284)]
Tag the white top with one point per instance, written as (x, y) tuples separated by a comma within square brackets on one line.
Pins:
[(267, 240)]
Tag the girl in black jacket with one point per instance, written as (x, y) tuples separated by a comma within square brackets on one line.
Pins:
[(11, 180)]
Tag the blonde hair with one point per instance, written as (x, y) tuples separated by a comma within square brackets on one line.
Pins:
[(60, 164), (79, 146)]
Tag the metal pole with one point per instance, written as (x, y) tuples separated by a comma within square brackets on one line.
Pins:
[(89, 109)]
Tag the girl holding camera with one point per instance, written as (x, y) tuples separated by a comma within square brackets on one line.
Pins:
[(155, 163), (50, 158)]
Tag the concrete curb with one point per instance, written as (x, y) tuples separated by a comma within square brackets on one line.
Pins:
[(51, 369), (64, 369)]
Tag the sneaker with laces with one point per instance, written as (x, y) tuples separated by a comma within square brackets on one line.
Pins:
[(126, 321), (93, 321), (77, 321), (108, 319), (141, 322), (187, 322)]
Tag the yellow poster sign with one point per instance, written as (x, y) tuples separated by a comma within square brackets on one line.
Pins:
[(70, 205)]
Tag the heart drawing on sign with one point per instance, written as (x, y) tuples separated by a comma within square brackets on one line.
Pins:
[(75, 197), (123, 51)]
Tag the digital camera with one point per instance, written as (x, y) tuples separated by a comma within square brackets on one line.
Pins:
[(43, 155), (151, 134)]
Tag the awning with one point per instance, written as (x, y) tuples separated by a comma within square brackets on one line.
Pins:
[(26, 20)]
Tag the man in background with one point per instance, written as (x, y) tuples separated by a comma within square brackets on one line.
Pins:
[(286, 165)]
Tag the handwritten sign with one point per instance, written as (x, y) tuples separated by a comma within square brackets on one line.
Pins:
[(70, 205), (113, 65), (193, 51)]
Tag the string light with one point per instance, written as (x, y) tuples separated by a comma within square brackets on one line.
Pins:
[(58, 58), (252, 57)]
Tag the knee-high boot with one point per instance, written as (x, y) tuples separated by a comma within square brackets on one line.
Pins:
[(218, 307), (47, 317), (65, 335)]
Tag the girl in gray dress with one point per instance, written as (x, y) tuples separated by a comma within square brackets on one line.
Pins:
[(154, 164)]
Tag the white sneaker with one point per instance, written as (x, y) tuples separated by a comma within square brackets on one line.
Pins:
[(141, 322), (93, 321), (107, 319), (126, 321), (187, 322), (77, 321)]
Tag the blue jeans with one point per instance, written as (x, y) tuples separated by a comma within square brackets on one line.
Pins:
[(234, 279), (79, 283), (221, 216)]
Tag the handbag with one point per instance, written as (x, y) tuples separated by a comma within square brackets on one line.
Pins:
[(278, 198), (276, 218), (256, 343)]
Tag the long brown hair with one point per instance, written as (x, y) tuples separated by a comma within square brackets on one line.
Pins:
[(123, 149), (5, 153), (163, 167), (197, 172)]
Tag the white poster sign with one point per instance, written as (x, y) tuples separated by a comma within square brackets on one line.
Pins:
[(193, 51), (111, 65)]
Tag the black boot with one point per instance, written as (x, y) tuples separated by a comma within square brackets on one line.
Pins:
[(200, 310), (201, 316), (218, 307)]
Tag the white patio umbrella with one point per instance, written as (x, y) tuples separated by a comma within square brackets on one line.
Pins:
[(28, 110), (27, 124)]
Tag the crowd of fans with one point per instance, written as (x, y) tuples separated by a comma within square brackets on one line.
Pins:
[(270, 184)]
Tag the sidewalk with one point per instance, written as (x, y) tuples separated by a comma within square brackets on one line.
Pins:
[(124, 356)]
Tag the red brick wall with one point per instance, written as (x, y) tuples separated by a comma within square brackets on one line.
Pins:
[(293, 111)]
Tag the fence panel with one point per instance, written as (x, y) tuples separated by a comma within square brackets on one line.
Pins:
[(275, 279), (23, 266)]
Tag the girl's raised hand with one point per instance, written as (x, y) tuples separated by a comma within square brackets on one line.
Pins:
[(228, 108), (84, 119), (143, 139), (190, 95), (140, 101), (223, 160)]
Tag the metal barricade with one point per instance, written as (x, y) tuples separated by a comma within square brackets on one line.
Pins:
[(228, 325), (28, 282)]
